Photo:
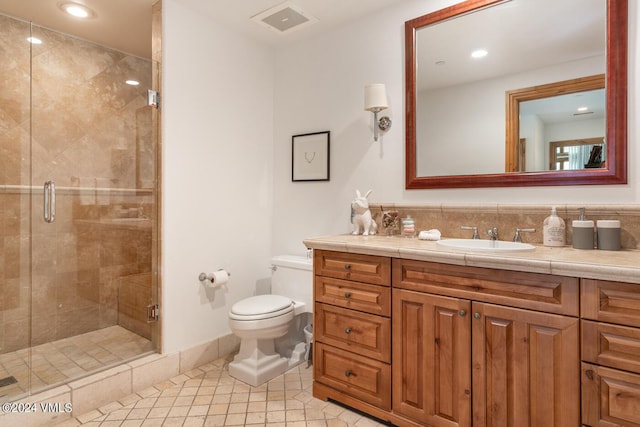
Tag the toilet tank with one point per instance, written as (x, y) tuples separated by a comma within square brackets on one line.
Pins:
[(293, 277)]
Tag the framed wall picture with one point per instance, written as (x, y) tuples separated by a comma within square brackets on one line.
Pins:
[(310, 156)]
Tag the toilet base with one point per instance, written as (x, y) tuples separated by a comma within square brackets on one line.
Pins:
[(257, 362)]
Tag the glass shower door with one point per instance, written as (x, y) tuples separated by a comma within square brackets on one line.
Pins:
[(77, 208), (92, 230), (15, 208)]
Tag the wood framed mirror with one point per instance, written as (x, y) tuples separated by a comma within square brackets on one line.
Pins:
[(489, 166)]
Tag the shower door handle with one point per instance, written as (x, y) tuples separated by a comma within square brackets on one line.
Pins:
[(49, 201)]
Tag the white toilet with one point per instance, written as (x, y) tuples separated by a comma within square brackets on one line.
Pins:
[(263, 322)]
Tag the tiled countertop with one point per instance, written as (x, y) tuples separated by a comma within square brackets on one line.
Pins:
[(622, 266)]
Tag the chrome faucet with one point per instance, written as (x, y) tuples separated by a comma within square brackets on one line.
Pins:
[(517, 238), (493, 233), (475, 231)]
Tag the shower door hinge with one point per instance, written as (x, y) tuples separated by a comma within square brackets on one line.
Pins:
[(153, 99), (153, 313)]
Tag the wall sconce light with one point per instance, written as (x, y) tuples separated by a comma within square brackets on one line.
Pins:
[(375, 100)]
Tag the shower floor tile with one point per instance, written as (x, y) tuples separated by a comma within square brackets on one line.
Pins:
[(208, 396), (69, 358)]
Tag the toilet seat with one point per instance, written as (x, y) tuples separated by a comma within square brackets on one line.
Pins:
[(261, 307)]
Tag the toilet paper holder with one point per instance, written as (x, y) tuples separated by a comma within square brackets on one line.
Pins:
[(204, 276)]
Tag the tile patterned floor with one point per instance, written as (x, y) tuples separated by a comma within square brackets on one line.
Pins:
[(69, 358), (208, 396)]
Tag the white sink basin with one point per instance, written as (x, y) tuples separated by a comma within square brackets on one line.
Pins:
[(485, 245)]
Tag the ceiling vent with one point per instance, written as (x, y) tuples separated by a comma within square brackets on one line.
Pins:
[(284, 18)]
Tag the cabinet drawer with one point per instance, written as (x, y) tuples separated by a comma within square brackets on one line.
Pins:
[(535, 291), (609, 397), (365, 379), (611, 345), (358, 296), (613, 302), (362, 333), (361, 268)]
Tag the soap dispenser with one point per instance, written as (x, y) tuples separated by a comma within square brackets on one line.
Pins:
[(553, 230), (583, 232)]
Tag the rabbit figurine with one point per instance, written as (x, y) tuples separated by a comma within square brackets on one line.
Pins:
[(361, 218)]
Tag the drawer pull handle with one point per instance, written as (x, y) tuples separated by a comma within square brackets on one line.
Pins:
[(347, 331), (462, 313), (476, 315), (347, 373), (347, 294), (347, 266)]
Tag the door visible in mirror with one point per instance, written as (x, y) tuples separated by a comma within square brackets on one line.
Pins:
[(568, 110)]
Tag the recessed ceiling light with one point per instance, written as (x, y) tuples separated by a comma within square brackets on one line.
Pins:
[(132, 82), (77, 10), (583, 108), (34, 40), (479, 53)]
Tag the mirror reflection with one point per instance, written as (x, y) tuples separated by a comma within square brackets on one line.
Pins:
[(563, 123), (498, 93), (461, 83), (542, 118)]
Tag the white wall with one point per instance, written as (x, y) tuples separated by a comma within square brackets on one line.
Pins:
[(217, 172), (230, 109), (320, 86)]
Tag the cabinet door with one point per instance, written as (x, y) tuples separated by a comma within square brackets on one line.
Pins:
[(610, 398), (431, 370), (526, 368)]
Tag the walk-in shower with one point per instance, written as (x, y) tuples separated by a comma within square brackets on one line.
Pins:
[(78, 207)]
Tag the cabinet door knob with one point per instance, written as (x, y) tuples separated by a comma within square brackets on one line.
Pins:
[(462, 313), (476, 315), (347, 294), (347, 331), (347, 266), (347, 373)]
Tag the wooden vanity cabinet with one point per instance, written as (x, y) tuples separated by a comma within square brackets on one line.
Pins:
[(523, 364), (610, 353), (352, 330), (474, 347)]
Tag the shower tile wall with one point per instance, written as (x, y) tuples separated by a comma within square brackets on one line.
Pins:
[(90, 133)]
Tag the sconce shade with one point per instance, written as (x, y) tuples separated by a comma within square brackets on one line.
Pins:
[(375, 97)]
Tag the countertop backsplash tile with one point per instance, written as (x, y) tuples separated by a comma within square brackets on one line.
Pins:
[(449, 217)]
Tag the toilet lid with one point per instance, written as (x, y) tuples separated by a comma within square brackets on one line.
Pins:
[(261, 307)]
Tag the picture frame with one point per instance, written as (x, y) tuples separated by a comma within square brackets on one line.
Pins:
[(310, 156)]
